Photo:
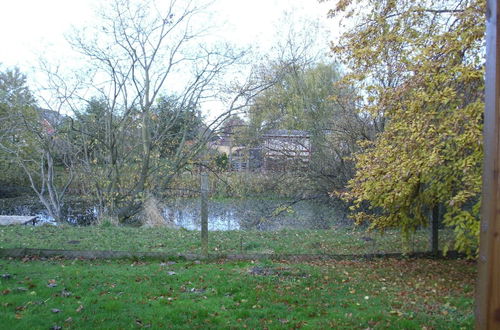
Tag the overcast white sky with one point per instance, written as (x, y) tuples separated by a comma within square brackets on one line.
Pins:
[(31, 29)]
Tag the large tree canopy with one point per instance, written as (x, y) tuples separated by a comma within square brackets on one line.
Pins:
[(299, 96), (420, 67), (307, 96), (16, 103)]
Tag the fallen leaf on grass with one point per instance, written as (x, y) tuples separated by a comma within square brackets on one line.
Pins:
[(79, 309), (66, 293), (398, 313), (195, 290), (55, 310)]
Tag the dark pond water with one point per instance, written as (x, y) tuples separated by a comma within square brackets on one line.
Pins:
[(77, 212), (231, 214)]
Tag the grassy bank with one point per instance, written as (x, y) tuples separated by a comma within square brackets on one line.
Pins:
[(341, 240)]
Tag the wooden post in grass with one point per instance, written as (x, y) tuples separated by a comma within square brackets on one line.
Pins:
[(435, 230), (488, 284), (204, 212)]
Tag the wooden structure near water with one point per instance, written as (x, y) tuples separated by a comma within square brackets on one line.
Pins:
[(6, 220)]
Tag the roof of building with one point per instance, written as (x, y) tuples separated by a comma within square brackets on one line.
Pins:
[(286, 133)]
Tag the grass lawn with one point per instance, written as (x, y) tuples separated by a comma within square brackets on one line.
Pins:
[(341, 240), (404, 294)]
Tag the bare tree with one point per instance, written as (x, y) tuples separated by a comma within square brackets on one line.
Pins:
[(140, 54), (34, 140), (39, 163)]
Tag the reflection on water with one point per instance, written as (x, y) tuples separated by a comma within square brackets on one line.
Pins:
[(230, 214), (251, 214)]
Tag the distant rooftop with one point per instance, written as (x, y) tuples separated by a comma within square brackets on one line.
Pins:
[(287, 132)]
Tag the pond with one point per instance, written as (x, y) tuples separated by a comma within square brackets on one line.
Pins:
[(252, 214), (227, 214)]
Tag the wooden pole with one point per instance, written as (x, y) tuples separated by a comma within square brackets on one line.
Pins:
[(488, 284), (435, 230), (204, 213)]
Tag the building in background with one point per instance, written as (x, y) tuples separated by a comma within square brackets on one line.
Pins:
[(276, 150), (284, 150)]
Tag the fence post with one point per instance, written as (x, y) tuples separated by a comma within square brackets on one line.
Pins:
[(488, 283), (435, 230), (204, 212)]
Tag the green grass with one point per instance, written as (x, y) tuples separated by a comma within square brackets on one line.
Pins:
[(399, 294), (341, 240)]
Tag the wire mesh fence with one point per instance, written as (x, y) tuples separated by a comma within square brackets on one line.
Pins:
[(252, 224)]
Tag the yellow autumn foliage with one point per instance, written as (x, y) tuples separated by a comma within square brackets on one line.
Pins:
[(419, 67)]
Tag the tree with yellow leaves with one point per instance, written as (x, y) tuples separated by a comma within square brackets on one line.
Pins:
[(419, 67)]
